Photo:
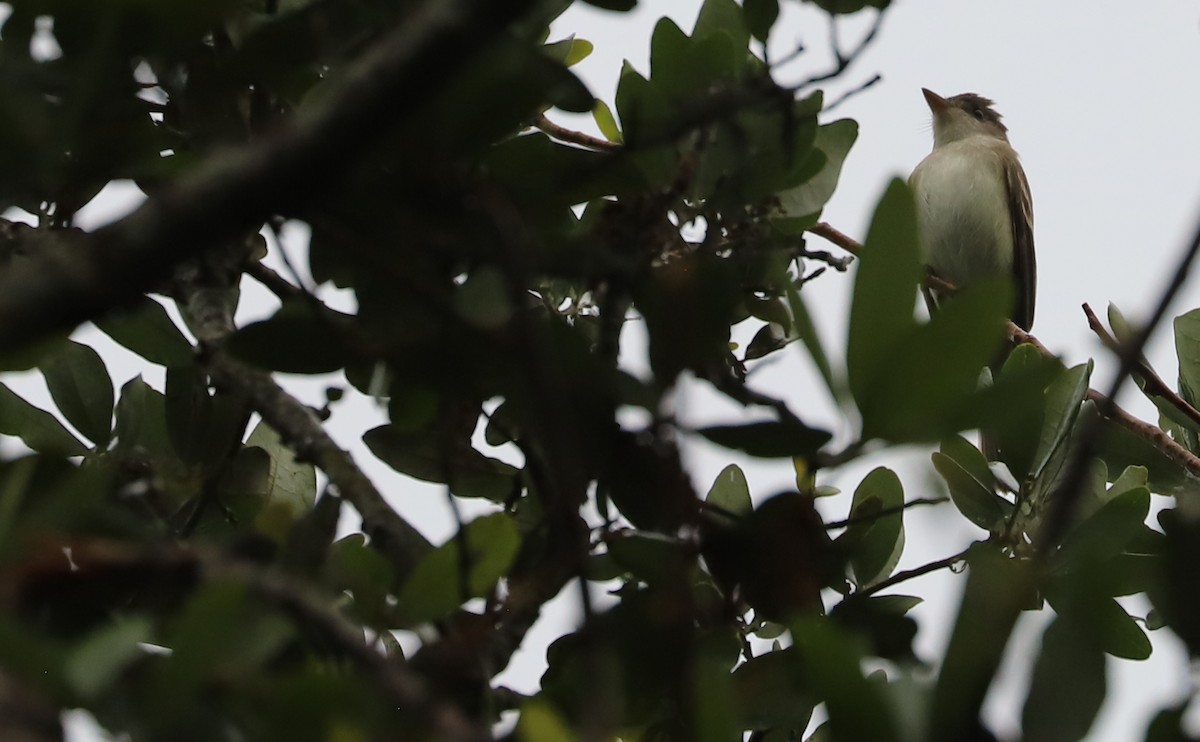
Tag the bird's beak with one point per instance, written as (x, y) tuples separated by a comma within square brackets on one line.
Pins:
[(937, 103)]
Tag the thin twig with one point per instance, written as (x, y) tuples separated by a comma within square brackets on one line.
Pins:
[(884, 512), (868, 83), (1062, 507), (1152, 384), (841, 239), (571, 136), (910, 574), (842, 59)]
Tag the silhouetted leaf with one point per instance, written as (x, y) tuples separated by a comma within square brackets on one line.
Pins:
[(768, 439), (81, 387)]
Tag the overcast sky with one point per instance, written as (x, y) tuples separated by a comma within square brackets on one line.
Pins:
[(1103, 104)]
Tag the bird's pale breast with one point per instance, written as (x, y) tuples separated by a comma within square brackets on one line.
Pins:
[(962, 209)]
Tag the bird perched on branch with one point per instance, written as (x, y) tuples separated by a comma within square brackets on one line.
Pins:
[(973, 203)]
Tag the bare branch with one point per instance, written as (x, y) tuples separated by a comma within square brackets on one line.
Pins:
[(564, 134), (843, 59), (1152, 384), (910, 574), (1062, 507)]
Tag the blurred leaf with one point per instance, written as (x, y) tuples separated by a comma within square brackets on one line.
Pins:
[(807, 332), (40, 430), (444, 579), (204, 428), (298, 339), (857, 707), (760, 17), (885, 289), (1067, 688), (772, 691), (291, 484), (617, 5), (145, 328), (469, 473), (650, 557), (100, 659), (882, 620), (607, 123), (768, 439), (876, 541), (539, 722), (81, 387), (912, 399), (723, 18), (997, 589), (730, 491), (355, 566)]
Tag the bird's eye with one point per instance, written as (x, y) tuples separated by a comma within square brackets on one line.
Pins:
[(977, 113)]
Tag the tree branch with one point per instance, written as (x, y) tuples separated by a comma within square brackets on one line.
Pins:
[(235, 190), (1152, 384), (910, 574), (300, 429), (571, 136), (1062, 507)]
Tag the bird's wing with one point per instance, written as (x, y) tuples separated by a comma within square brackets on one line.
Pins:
[(1020, 210)]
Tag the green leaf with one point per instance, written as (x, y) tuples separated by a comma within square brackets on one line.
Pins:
[(291, 484), (730, 491), (1107, 532), (1018, 440), (1063, 403), (970, 458), (145, 328), (1101, 618), (723, 18), (470, 473), (651, 557), (974, 499), (81, 387), (40, 430), (877, 543), (769, 439), (607, 123), (885, 288), (1067, 688), (760, 17), (803, 203), (298, 339), (444, 579)]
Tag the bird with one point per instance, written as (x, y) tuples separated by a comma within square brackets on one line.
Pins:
[(974, 210)]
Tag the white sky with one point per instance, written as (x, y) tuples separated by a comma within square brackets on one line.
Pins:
[(1103, 104)]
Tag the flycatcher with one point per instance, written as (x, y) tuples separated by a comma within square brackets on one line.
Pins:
[(973, 203)]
